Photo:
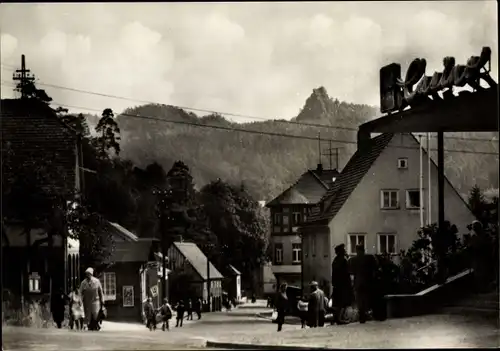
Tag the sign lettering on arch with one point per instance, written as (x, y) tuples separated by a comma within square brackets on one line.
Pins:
[(417, 88)]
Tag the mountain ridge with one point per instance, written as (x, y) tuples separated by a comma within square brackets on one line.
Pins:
[(267, 165)]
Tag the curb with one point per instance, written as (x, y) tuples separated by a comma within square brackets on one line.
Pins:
[(241, 346)]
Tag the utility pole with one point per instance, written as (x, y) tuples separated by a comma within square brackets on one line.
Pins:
[(329, 152), (24, 77), (164, 214)]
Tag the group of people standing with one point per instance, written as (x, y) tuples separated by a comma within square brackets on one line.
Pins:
[(86, 305), (166, 312), (364, 288)]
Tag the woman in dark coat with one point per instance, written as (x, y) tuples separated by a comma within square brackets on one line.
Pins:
[(342, 294), (281, 306)]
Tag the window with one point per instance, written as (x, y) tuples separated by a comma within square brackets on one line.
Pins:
[(389, 199), (412, 198), (286, 220), (109, 286), (402, 163), (277, 219), (278, 253), (128, 296), (355, 240), (297, 218), (296, 253), (387, 244), (35, 283), (286, 210)]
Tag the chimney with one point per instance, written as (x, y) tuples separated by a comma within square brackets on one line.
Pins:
[(320, 168)]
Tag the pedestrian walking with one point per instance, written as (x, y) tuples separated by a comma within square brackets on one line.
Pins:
[(197, 307), (150, 314), (302, 307), (93, 299), (189, 309), (363, 267), (316, 307), (342, 294), (281, 306), (76, 310), (166, 314), (180, 308), (57, 306)]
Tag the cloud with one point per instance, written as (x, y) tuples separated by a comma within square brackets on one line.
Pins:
[(8, 45), (248, 58)]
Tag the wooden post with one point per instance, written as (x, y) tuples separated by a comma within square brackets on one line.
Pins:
[(440, 147)]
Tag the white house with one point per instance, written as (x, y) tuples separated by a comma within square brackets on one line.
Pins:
[(375, 202)]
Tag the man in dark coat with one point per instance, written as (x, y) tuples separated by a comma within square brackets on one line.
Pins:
[(341, 285), (316, 307), (281, 305), (363, 267)]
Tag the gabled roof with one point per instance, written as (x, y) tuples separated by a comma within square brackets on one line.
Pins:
[(197, 260), (123, 233), (349, 178), (308, 189), (234, 269)]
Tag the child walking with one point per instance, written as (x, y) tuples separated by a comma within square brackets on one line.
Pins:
[(180, 313), (302, 306)]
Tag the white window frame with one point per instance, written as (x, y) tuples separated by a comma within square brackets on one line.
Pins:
[(379, 244), (34, 283), (391, 206), (297, 218), (278, 248), (296, 252), (108, 280), (408, 205), (352, 250), (131, 288), (403, 163), (286, 222)]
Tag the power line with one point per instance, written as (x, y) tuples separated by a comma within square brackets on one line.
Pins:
[(257, 132), (253, 131), (231, 114)]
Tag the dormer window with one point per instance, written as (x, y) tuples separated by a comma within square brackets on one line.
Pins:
[(403, 163)]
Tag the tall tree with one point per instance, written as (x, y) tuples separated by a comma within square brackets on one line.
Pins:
[(108, 134), (239, 224)]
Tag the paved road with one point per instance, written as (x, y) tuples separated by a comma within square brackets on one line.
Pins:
[(122, 336), (242, 326)]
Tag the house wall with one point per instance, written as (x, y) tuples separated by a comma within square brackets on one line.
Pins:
[(317, 262), (127, 274), (362, 212), (18, 261)]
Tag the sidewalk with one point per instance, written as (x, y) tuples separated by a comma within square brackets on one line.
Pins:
[(436, 331)]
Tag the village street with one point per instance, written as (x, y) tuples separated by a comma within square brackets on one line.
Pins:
[(242, 326)]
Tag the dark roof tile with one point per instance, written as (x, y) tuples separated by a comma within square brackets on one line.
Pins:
[(349, 178)]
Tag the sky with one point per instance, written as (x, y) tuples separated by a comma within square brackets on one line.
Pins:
[(258, 59)]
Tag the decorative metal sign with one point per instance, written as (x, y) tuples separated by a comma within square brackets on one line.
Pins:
[(396, 94)]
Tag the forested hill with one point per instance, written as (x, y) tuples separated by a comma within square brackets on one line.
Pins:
[(266, 164)]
